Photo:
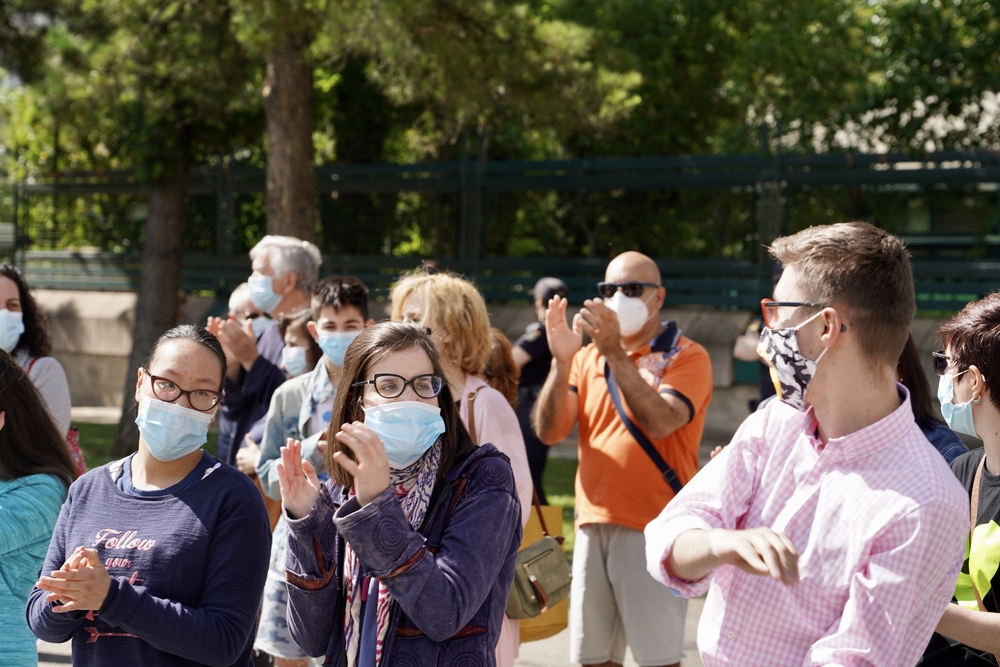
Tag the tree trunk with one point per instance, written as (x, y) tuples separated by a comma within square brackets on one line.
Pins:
[(288, 105), (159, 282)]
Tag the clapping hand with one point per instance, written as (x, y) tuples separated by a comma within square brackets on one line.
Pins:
[(297, 480), (370, 467), (564, 342), (601, 324), (81, 584)]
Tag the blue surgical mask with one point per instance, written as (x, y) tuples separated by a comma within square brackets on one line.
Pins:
[(335, 343), (407, 429), (171, 431), (294, 361), (262, 292), (11, 328), (259, 323), (957, 417)]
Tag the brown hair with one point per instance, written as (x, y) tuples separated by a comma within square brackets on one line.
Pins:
[(370, 347), (339, 292), (913, 377), (862, 271), (973, 336), (298, 322), (500, 371), (30, 443), (456, 306)]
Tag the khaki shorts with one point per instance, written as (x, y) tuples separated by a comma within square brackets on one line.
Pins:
[(614, 601)]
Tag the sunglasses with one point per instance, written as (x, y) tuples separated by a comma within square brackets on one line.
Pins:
[(769, 308), (632, 289), (941, 361)]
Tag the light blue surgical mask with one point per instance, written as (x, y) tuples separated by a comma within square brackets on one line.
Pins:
[(407, 429), (11, 328), (957, 417), (259, 323), (294, 361), (171, 431), (335, 343), (262, 292)]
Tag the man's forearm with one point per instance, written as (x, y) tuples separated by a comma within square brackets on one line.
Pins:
[(551, 415), (694, 555), (652, 412)]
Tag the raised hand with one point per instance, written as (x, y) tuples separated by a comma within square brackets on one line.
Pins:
[(564, 342), (81, 584), (237, 343), (370, 467), (297, 480), (601, 324)]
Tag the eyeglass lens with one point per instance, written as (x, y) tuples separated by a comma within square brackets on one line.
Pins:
[(200, 399), (391, 386), (940, 360)]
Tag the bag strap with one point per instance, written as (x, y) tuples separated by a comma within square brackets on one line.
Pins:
[(974, 514), (669, 475), (31, 364), (541, 517), (472, 415)]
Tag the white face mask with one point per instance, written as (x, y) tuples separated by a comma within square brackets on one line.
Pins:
[(633, 312)]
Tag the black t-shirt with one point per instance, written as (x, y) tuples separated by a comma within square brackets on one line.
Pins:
[(536, 345), (986, 544)]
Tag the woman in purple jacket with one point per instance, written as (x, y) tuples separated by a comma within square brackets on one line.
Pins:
[(406, 556)]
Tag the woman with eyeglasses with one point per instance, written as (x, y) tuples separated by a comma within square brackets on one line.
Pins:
[(159, 558), (969, 392), (454, 313), (406, 556)]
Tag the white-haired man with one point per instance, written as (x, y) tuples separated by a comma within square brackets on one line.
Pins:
[(284, 271)]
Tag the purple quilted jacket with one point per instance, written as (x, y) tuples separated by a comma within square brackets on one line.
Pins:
[(449, 583)]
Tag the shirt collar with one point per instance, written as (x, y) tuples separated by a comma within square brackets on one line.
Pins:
[(666, 341), (871, 438)]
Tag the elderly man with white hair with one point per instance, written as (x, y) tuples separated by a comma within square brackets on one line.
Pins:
[(284, 271)]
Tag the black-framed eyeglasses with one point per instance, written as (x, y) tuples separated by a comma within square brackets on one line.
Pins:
[(168, 392), (632, 289), (769, 308), (940, 361), (252, 316), (390, 385)]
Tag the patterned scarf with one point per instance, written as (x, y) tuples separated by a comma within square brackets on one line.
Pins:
[(413, 486)]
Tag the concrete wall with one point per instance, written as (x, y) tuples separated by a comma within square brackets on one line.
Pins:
[(92, 337)]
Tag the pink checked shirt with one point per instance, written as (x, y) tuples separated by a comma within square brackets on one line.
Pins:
[(879, 522)]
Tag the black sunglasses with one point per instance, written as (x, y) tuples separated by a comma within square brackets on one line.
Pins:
[(631, 289), (940, 360)]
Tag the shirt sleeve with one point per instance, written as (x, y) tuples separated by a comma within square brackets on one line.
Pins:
[(49, 379), (689, 378), (28, 512), (534, 341), (270, 447), (717, 497), (897, 599)]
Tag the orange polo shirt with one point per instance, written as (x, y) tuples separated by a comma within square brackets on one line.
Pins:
[(616, 481)]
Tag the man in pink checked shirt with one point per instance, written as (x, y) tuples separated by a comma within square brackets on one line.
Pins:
[(829, 532)]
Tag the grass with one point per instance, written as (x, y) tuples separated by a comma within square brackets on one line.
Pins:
[(559, 480), (96, 441)]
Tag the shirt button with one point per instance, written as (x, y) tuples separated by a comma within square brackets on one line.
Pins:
[(730, 634)]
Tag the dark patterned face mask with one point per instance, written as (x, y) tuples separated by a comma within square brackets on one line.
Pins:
[(790, 371)]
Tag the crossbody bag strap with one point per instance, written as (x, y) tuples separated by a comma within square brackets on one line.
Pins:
[(974, 515), (472, 416), (537, 504), (669, 475)]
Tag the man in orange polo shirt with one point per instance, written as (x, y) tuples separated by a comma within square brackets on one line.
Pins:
[(639, 392)]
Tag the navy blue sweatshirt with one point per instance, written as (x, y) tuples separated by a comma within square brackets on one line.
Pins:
[(187, 570)]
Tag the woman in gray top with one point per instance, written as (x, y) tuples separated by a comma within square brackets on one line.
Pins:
[(24, 337)]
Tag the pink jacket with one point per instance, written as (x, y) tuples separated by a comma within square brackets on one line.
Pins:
[(496, 423)]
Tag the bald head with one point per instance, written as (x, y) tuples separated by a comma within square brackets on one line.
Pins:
[(632, 266)]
